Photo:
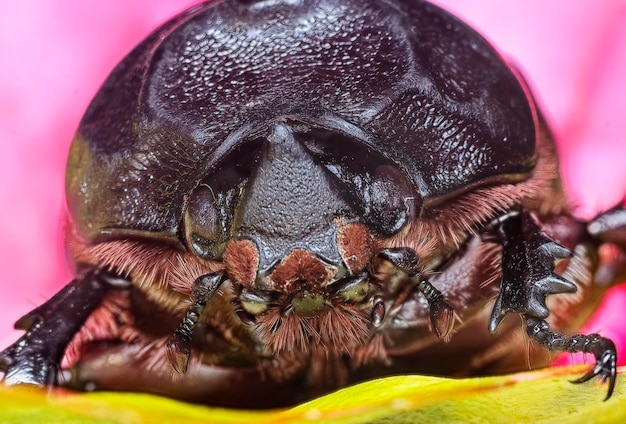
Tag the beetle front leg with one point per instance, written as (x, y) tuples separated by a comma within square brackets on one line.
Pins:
[(441, 314), (603, 349), (528, 257), (179, 345), (35, 358)]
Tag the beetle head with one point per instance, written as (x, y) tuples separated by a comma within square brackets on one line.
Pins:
[(295, 244)]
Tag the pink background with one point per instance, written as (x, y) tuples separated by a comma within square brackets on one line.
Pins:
[(54, 54)]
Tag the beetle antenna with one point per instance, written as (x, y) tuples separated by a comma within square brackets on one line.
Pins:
[(179, 345)]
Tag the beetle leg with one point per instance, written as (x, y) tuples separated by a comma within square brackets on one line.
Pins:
[(603, 349), (441, 314), (610, 226), (35, 358), (528, 257), (179, 345)]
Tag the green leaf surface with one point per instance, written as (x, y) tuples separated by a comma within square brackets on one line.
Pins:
[(540, 396)]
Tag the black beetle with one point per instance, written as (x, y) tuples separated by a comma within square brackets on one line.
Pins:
[(276, 198)]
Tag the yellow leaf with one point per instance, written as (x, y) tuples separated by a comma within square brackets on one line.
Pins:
[(539, 396)]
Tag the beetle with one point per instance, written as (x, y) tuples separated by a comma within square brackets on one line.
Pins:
[(270, 200)]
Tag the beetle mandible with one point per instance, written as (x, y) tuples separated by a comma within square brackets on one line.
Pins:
[(292, 197)]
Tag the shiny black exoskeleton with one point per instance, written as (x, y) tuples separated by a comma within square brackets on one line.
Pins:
[(272, 199)]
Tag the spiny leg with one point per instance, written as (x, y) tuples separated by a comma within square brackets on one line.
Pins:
[(36, 356), (179, 345), (528, 259), (441, 314), (603, 350)]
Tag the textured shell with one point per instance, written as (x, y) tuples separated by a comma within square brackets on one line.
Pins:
[(405, 79)]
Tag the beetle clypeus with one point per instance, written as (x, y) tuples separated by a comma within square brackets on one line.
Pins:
[(269, 200)]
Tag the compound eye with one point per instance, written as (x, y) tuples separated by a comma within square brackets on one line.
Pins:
[(390, 197), (203, 229)]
